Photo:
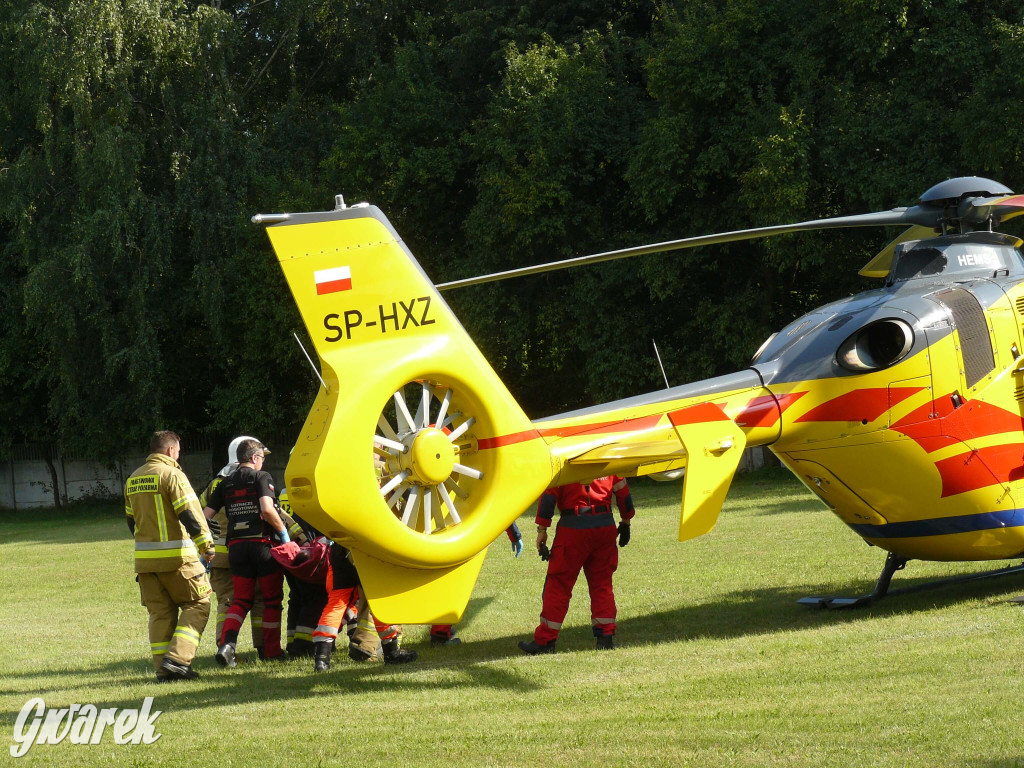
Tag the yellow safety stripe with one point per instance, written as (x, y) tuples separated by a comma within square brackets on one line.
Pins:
[(158, 649), (294, 529), (222, 549), (169, 554), (182, 501), (302, 635), (187, 634), (161, 519), (128, 511), (202, 542), (208, 491)]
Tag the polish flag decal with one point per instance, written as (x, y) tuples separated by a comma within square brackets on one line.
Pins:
[(333, 280)]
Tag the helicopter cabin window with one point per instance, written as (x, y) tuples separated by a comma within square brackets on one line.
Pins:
[(938, 256)]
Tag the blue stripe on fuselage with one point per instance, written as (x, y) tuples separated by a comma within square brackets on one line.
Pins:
[(941, 526)]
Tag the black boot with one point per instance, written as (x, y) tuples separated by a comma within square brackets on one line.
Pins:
[(301, 648), (322, 655), (395, 654), (226, 655), (175, 670), (532, 647), (605, 642)]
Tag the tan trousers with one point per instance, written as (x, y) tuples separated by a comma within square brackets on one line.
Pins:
[(179, 608), (368, 634), (220, 579)]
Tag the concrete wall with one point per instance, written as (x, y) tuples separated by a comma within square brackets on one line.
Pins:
[(26, 483)]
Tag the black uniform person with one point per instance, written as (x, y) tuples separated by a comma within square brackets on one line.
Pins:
[(248, 496)]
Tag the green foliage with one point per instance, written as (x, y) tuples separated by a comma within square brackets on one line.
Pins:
[(137, 137)]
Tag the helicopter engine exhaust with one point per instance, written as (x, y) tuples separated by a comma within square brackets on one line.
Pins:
[(876, 346)]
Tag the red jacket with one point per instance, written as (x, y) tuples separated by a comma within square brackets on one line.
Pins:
[(586, 505)]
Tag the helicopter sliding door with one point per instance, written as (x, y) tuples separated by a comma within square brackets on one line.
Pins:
[(967, 439)]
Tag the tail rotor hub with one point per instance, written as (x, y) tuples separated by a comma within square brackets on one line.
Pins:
[(431, 456), (429, 464)]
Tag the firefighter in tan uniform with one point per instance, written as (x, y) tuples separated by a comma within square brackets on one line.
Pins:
[(172, 547)]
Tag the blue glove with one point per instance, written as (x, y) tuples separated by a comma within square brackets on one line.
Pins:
[(517, 547), (284, 537)]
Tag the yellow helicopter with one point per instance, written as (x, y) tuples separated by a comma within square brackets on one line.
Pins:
[(900, 407)]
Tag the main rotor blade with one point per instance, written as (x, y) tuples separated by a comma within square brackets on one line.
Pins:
[(977, 209), (880, 265), (915, 215)]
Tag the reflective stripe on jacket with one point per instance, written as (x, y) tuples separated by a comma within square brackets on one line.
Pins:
[(170, 530)]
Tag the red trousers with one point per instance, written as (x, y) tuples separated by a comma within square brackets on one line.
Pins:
[(251, 563), (595, 551)]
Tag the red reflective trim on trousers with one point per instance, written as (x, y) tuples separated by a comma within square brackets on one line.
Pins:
[(596, 553)]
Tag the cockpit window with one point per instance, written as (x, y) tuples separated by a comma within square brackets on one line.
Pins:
[(926, 258)]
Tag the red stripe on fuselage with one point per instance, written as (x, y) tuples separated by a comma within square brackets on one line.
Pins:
[(516, 437), (934, 426), (599, 428), (981, 468), (860, 405), (766, 410), (604, 427), (697, 414)]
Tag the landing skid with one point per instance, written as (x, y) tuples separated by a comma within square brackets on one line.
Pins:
[(893, 564)]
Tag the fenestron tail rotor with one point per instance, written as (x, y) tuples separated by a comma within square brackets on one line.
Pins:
[(430, 463)]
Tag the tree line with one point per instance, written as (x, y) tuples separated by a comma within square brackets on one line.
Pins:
[(137, 138)]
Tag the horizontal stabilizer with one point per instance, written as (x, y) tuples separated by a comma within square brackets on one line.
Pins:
[(416, 595), (636, 453)]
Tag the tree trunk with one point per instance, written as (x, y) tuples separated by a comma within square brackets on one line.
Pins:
[(58, 501)]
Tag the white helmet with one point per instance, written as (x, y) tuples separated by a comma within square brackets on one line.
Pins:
[(232, 464)]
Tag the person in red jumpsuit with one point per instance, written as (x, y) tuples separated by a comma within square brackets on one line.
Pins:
[(585, 538)]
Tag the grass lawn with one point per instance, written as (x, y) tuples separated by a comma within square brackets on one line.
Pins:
[(717, 664)]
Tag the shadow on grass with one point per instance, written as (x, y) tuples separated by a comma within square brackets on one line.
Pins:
[(253, 681), (479, 664), (768, 609)]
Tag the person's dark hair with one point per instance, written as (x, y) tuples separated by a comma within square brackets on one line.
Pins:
[(163, 440), (247, 449)]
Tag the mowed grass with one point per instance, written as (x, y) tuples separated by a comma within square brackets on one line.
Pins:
[(717, 664)]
